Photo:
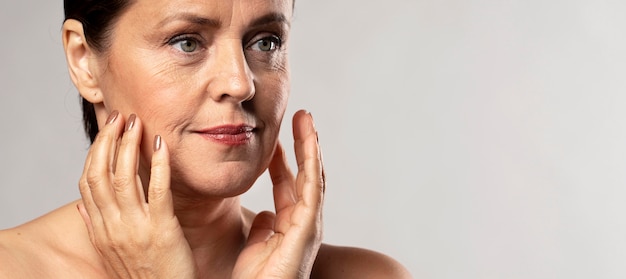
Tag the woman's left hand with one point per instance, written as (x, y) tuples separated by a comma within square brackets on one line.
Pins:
[(285, 244)]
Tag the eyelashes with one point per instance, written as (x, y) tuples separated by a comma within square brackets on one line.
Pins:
[(192, 43), (268, 43), (184, 43)]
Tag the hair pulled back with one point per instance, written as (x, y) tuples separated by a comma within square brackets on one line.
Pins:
[(98, 18)]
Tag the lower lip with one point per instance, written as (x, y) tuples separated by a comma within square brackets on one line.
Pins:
[(230, 139)]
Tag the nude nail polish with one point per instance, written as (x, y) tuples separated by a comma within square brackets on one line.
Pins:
[(112, 117), (131, 122), (157, 143), (312, 121)]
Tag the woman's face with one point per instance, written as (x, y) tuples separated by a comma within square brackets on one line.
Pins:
[(211, 77)]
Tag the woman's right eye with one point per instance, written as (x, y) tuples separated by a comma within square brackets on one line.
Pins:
[(186, 45)]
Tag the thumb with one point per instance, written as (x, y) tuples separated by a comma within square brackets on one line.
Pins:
[(262, 228)]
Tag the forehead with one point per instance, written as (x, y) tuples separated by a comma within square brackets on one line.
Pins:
[(224, 12)]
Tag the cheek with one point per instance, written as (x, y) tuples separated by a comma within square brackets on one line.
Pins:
[(147, 87), (134, 80), (273, 93), (270, 107), (155, 92)]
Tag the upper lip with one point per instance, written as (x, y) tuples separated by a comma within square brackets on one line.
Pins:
[(229, 129)]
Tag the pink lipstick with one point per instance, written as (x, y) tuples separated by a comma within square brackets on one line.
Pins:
[(229, 134)]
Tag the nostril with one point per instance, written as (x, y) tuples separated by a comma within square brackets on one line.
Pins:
[(231, 77)]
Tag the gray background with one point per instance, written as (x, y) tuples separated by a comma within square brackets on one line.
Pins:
[(467, 139)]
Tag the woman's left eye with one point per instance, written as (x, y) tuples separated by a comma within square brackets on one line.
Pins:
[(267, 44)]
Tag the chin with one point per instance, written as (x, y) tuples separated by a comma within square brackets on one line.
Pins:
[(223, 181)]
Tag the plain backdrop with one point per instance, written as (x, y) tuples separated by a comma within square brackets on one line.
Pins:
[(465, 138)]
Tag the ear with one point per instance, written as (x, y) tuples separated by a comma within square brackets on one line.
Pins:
[(80, 61)]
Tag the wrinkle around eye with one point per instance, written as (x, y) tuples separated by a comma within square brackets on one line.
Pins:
[(268, 61), (178, 57), (171, 73)]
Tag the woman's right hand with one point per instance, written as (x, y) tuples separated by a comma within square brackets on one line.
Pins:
[(135, 238)]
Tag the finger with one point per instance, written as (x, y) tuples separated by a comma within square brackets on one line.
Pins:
[(159, 194), (282, 179), (262, 228), (99, 173), (85, 191), (126, 185), (310, 179), (87, 220)]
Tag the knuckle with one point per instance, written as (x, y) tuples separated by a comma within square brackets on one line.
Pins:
[(93, 179), (159, 164), (117, 244), (121, 182), (119, 240), (125, 238), (83, 185), (157, 192)]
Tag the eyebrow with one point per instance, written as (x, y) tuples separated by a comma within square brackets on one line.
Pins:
[(199, 20), (189, 17), (271, 18)]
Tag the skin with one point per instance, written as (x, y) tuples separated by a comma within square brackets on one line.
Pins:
[(159, 196)]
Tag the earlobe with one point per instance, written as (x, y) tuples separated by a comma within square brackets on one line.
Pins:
[(79, 59)]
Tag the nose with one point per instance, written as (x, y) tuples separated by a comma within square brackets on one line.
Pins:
[(232, 80)]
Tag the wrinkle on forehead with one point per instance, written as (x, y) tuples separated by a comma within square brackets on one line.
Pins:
[(227, 13)]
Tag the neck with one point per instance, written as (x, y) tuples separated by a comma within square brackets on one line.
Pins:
[(209, 220), (215, 230)]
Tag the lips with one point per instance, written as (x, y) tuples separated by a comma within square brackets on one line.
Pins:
[(229, 134)]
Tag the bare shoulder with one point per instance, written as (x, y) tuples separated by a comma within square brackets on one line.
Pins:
[(48, 247), (350, 262), (13, 256)]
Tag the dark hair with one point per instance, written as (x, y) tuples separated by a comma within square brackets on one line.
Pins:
[(98, 18)]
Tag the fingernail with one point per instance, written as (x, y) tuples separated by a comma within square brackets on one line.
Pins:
[(112, 117), (131, 122), (157, 143), (312, 121)]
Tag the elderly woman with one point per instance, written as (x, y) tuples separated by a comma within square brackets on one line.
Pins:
[(183, 102)]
